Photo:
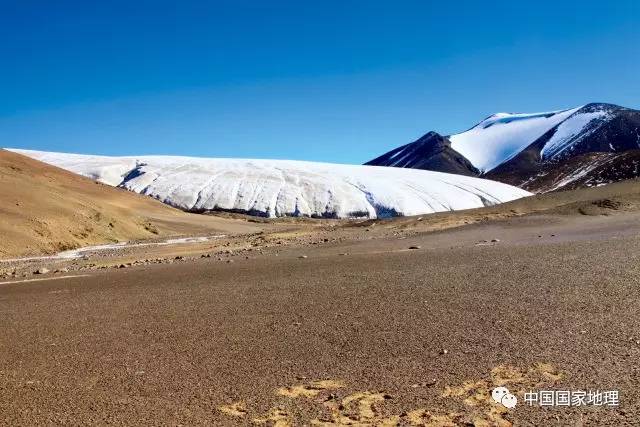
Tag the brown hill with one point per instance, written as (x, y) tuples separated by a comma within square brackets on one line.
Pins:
[(44, 209)]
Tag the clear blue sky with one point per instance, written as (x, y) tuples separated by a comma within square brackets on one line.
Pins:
[(339, 81)]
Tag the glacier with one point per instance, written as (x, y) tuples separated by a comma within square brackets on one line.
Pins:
[(277, 188)]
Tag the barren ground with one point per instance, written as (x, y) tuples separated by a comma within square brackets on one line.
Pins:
[(337, 323)]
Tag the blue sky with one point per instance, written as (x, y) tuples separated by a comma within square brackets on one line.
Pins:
[(338, 81)]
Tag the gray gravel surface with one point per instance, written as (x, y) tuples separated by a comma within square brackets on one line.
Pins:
[(171, 344)]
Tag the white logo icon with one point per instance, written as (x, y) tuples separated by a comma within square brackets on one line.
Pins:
[(501, 395)]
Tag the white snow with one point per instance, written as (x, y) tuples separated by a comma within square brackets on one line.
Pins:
[(105, 169), (80, 252), (276, 188), (579, 173), (571, 131), (502, 136), (397, 154), (400, 160)]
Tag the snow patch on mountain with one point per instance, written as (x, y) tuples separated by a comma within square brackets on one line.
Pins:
[(502, 136), (275, 188), (579, 173), (572, 131)]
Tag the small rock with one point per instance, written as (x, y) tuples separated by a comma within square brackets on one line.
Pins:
[(429, 383), (229, 261), (303, 257), (444, 351), (415, 247), (205, 256), (179, 257), (495, 240), (343, 254), (42, 271)]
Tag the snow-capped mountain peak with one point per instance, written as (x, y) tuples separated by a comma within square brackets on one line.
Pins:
[(538, 151), (502, 136)]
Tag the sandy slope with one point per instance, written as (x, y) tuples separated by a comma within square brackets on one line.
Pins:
[(47, 209)]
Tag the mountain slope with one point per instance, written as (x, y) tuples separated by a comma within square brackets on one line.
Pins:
[(580, 171), (502, 136), (586, 146), (431, 152), (543, 151), (44, 209), (275, 188)]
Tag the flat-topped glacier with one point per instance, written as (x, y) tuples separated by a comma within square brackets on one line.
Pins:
[(275, 188)]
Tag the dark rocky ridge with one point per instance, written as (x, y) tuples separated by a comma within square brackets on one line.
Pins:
[(584, 170), (430, 152)]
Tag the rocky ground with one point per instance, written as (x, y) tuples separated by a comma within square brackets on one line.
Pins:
[(398, 322)]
